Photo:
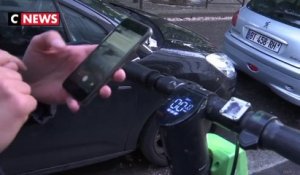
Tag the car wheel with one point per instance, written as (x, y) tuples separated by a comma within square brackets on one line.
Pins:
[(151, 144)]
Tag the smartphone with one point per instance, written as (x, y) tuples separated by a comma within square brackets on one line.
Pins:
[(111, 54)]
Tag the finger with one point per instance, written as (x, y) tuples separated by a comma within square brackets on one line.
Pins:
[(88, 48), (17, 85), (119, 75), (47, 40), (18, 62), (30, 104), (24, 105), (105, 91), (6, 57), (9, 73), (12, 66), (72, 104)]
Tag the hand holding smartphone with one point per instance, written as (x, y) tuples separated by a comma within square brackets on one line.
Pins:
[(111, 54)]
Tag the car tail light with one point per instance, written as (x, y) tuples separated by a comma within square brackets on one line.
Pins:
[(252, 67), (235, 18)]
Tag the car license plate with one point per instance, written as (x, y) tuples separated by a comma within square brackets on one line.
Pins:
[(263, 40)]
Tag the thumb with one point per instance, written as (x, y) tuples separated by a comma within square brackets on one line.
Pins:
[(12, 66), (47, 40), (72, 104)]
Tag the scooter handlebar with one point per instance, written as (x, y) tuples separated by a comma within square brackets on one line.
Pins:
[(257, 129), (282, 139)]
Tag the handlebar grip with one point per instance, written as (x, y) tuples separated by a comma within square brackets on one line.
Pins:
[(138, 72), (282, 139)]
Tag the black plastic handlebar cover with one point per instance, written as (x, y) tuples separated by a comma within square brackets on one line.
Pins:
[(282, 139), (139, 73), (152, 78)]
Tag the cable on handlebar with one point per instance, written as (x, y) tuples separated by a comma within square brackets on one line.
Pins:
[(236, 156)]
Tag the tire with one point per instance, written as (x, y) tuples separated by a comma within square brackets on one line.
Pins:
[(151, 143)]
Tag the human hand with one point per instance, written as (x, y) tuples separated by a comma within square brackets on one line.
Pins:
[(16, 103), (49, 61), (9, 61)]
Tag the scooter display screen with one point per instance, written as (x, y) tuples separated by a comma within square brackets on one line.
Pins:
[(180, 106)]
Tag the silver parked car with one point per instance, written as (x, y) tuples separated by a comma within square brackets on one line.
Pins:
[(264, 42)]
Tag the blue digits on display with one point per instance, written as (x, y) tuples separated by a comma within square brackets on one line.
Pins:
[(180, 105)]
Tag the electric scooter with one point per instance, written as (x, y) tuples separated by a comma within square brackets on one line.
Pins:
[(189, 108)]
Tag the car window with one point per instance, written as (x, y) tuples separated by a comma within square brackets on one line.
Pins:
[(82, 28), (105, 9), (286, 11), (15, 39), (180, 36)]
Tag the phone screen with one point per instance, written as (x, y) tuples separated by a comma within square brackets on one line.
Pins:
[(110, 55)]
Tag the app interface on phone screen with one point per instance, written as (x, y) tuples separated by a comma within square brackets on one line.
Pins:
[(111, 51)]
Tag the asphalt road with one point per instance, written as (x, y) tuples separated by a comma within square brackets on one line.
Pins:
[(248, 89)]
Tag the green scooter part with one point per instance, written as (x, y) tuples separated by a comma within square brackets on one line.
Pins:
[(222, 153)]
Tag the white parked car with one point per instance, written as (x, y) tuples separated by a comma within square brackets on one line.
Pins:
[(264, 42)]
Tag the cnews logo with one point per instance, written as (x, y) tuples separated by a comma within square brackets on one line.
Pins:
[(34, 19)]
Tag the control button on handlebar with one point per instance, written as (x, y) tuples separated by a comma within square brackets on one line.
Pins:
[(235, 108)]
